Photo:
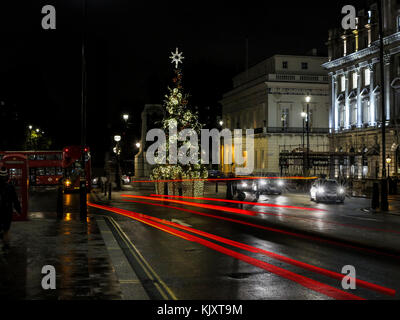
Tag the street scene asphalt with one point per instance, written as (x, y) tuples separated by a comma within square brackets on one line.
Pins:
[(144, 247), (330, 238)]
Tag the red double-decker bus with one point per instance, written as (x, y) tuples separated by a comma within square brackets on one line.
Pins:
[(45, 167), (72, 164)]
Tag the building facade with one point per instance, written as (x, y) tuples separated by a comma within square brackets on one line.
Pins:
[(270, 98), (355, 117)]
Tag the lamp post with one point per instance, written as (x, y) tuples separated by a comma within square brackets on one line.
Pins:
[(303, 116), (308, 99), (388, 161), (117, 151), (384, 186)]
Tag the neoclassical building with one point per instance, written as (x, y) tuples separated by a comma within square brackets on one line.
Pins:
[(270, 98), (354, 82)]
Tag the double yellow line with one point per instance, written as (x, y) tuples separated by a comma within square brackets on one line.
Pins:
[(162, 288)]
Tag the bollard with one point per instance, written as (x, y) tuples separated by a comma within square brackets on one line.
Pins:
[(216, 187), (109, 190), (384, 195), (60, 204), (229, 194), (165, 188), (375, 196), (83, 199)]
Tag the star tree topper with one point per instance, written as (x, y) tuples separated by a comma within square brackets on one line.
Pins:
[(176, 58)]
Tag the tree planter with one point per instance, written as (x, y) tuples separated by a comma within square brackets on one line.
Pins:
[(159, 186), (198, 188), (173, 188), (187, 188)]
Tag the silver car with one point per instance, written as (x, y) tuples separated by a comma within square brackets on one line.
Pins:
[(327, 190)]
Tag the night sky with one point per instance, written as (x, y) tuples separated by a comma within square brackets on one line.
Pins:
[(128, 48)]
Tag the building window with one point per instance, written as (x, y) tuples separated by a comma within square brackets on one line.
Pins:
[(285, 118), (342, 115), (398, 23), (284, 65), (342, 83), (367, 77), (304, 65), (353, 113), (365, 112), (355, 78)]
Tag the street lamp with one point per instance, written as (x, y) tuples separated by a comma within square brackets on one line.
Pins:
[(125, 116), (117, 138), (388, 161), (37, 130), (221, 123), (30, 127), (308, 99), (138, 145), (117, 150)]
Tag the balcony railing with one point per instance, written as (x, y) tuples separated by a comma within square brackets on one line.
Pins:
[(293, 130)]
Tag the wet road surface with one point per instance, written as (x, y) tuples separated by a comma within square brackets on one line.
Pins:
[(195, 269)]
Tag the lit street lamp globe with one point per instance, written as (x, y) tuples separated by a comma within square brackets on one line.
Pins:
[(303, 114), (308, 99), (125, 116), (388, 160), (138, 145), (117, 138)]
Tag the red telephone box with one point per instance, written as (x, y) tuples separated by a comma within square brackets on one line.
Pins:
[(17, 166)]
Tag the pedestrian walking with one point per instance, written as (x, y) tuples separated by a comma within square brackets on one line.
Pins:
[(8, 200)]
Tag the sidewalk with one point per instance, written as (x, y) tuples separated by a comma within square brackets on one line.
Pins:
[(349, 223), (76, 249)]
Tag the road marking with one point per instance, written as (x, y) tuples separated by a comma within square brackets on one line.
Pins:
[(151, 274), (181, 222)]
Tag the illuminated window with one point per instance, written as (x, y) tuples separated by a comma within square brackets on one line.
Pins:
[(398, 23), (355, 78), (342, 83), (367, 77)]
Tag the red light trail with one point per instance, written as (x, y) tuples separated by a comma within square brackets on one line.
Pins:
[(304, 281), (240, 202), (293, 234), (226, 179), (325, 272), (283, 215)]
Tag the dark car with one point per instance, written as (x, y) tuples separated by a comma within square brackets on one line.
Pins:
[(327, 190), (215, 174), (268, 186)]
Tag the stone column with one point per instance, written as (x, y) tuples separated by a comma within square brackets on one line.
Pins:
[(347, 106), (359, 106), (388, 98), (372, 104)]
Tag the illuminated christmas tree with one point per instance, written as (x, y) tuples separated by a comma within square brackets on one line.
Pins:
[(179, 115)]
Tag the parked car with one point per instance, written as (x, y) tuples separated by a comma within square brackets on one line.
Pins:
[(327, 190), (215, 174)]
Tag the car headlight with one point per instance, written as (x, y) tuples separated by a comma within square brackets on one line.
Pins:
[(320, 190), (280, 183), (67, 183), (244, 184), (341, 190), (263, 182)]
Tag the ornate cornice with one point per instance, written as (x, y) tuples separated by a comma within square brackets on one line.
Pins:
[(373, 49)]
